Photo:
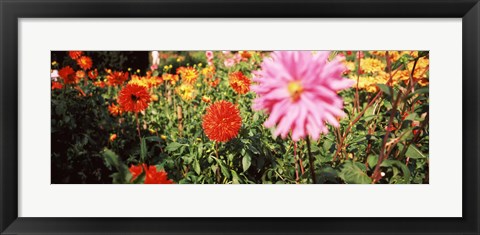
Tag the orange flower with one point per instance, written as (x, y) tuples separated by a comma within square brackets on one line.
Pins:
[(239, 82), (56, 85), (172, 78), (93, 74), (100, 84), (112, 137), (84, 62), (75, 54), (154, 97), (245, 55), (80, 74), (68, 75), (188, 74), (133, 98), (222, 121), (116, 78), (152, 176), (208, 71), (114, 110), (206, 99), (214, 83)]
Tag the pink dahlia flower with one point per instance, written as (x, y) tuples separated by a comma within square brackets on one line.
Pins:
[(229, 63), (299, 91), (209, 55)]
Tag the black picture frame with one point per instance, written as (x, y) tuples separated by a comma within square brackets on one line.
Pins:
[(12, 10)]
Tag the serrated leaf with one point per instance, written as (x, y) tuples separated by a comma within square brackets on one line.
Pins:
[(122, 175)]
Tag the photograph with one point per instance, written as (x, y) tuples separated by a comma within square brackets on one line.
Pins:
[(239, 117)]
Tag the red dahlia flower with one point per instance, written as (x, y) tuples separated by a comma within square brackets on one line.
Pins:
[(68, 75), (84, 62), (75, 54), (222, 121), (133, 98), (152, 176), (116, 78)]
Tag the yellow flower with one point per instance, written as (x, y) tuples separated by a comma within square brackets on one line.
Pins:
[(371, 65), (186, 91), (172, 78), (208, 72), (137, 80), (394, 55), (164, 137), (368, 83), (188, 74), (421, 70), (350, 65), (378, 53), (414, 54)]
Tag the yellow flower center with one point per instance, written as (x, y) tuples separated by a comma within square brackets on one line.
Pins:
[(295, 89)]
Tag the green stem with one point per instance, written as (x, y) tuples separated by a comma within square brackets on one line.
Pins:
[(138, 127), (311, 161)]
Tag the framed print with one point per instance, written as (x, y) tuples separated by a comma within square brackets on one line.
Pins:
[(228, 117)]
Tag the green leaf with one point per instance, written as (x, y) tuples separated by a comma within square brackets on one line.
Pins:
[(200, 149), (372, 161), (153, 138), (415, 153), (411, 116), (123, 175), (223, 168), (399, 165), (171, 147), (385, 89), (196, 166), (327, 175), (354, 173), (246, 162), (224, 171), (418, 91), (235, 178)]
